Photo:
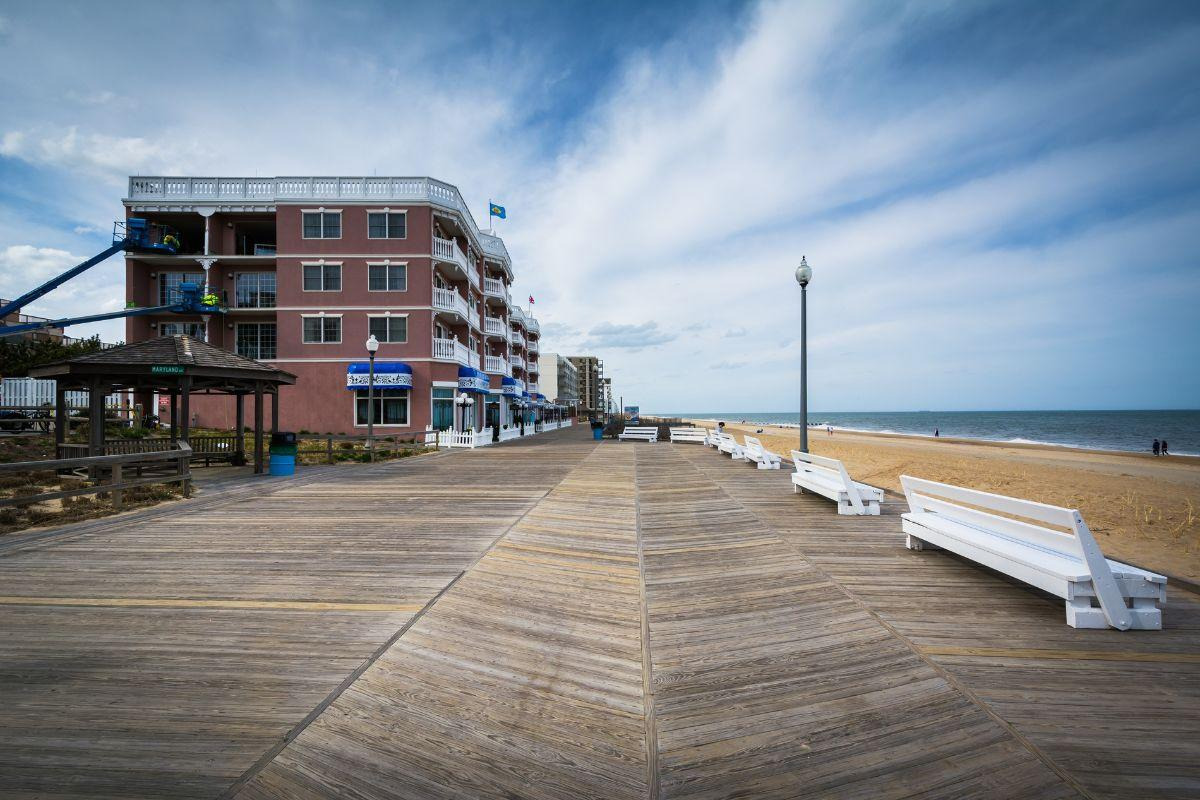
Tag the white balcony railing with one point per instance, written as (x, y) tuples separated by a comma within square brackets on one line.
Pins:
[(449, 251), (532, 345), (494, 287), (450, 300), (497, 365), (532, 325), (494, 326), (517, 339), (517, 362), (454, 350), (532, 387)]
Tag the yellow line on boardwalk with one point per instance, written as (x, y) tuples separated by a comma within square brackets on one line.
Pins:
[(1062, 655), (173, 602)]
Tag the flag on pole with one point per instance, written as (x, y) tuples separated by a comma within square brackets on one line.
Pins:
[(496, 211), (530, 299)]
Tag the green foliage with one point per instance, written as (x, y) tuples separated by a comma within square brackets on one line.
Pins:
[(18, 356)]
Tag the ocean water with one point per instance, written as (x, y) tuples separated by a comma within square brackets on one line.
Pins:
[(1096, 430)]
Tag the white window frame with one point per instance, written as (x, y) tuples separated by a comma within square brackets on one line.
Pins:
[(322, 210), (237, 337), (370, 211), (259, 272), (162, 283), (322, 263), (407, 413), (202, 327), (341, 328), (389, 316), (387, 264)]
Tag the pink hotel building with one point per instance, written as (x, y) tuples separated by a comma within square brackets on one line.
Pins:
[(311, 266)]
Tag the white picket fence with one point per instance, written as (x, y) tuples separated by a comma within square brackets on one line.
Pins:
[(471, 439), (37, 392)]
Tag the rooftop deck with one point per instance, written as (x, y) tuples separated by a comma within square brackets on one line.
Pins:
[(554, 618)]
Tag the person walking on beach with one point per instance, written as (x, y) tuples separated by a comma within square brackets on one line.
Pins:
[(937, 433), (1156, 447), (1164, 448)]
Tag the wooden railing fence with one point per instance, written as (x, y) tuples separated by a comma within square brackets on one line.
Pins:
[(111, 466)]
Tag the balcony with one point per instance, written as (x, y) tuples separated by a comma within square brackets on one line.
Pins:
[(451, 302), (532, 347), (494, 289), (497, 365), (516, 339), (516, 317), (494, 326), (532, 387), (532, 325), (448, 251), (517, 362), (456, 351)]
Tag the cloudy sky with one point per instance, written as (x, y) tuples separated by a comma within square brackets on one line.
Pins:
[(1000, 201)]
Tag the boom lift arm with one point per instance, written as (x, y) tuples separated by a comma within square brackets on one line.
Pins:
[(136, 235)]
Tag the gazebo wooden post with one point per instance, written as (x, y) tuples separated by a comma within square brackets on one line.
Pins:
[(275, 411), (258, 427), (60, 418), (95, 419), (174, 415), (185, 408), (241, 425)]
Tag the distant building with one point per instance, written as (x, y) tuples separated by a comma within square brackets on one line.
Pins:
[(559, 379), (38, 334), (591, 383)]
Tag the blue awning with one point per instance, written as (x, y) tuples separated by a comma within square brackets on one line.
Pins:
[(472, 380), (388, 375), (539, 399), (510, 387)]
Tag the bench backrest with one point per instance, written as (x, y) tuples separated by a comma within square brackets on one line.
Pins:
[(697, 434), (945, 500), (632, 429)]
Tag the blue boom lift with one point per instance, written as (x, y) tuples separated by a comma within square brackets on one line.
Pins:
[(135, 235)]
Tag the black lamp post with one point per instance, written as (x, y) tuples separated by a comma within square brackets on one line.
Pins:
[(372, 347), (803, 276)]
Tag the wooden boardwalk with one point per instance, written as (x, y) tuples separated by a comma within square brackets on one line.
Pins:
[(556, 618)]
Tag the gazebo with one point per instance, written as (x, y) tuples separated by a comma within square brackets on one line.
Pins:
[(178, 366)]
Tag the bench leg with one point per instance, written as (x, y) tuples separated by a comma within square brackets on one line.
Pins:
[(1147, 616), (913, 543), (1081, 614)]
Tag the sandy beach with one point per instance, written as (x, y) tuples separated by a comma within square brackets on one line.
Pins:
[(1143, 510)]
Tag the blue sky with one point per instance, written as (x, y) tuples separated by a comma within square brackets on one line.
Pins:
[(1001, 201)]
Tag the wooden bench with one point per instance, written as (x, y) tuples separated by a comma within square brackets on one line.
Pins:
[(697, 435), (761, 456), (828, 477), (1066, 562), (647, 434)]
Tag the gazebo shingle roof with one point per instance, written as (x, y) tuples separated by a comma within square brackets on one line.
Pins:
[(172, 350)]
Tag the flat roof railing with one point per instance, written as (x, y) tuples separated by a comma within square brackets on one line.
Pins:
[(315, 189)]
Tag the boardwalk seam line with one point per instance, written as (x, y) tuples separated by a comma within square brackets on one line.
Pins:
[(945, 674), (652, 785), (273, 752)]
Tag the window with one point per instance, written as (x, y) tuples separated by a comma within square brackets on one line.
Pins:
[(322, 277), (389, 329), (254, 290), (322, 330), (256, 340), (322, 224), (387, 277), (193, 329), (443, 409), (391, 407), (384, 225), (168, 285)]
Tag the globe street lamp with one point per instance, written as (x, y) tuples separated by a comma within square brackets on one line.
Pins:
[(803, 276), (372, 346)]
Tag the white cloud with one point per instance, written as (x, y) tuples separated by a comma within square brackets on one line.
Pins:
[(612, 335)]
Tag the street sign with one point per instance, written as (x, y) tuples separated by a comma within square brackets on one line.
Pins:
[(166, 369)]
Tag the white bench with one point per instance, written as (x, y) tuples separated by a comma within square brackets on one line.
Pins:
[(1069, 565), (714, 437), (761, 456), (647, 434), (697, 435), (828, 477), (727, 444)]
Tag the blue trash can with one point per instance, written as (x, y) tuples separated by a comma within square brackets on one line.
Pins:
[(597, 433), (283, 465)]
